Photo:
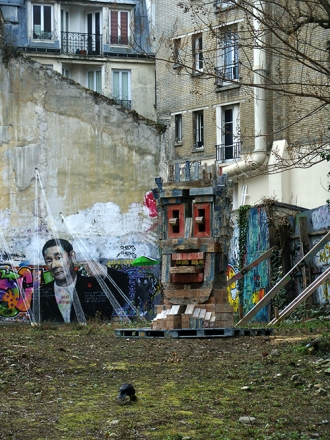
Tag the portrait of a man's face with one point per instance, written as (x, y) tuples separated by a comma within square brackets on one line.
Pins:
[(60, 264), (78, 295)]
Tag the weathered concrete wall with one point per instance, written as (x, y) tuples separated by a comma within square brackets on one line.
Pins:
[(96, 163)]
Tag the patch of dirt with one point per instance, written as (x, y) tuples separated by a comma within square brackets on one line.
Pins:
[(62, 382)]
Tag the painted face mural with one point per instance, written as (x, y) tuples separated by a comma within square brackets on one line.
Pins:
[(60, 264)]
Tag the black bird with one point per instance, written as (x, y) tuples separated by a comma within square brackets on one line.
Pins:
[(127, 390)]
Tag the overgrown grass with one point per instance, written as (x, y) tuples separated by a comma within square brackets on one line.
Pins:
[(62, 382)]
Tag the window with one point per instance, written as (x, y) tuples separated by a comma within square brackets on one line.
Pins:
[(177, 53), (119, 27), (42, 22), (94, 80), (121, 87), (64, 21), (198, 129), (178, 129), (228, 134), (227, 70), (93, 33), (10, 14), (66, 72), (198, 53)]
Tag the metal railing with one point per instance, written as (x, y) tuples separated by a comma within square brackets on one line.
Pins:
[(42, 35), (227, 152), (119, 39), (127, 103), (81, 43), (226, 73)]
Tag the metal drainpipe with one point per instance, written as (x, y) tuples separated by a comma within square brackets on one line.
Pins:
[(259, 156)]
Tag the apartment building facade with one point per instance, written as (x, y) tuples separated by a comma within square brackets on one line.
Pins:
[(206, 95), (105, 46)]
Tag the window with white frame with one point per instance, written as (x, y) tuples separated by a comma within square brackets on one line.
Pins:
[(178, 128), (94, 80), (66, 72), (228, 133), (42, 22), (227, 68), (121, 87), (198, 58), (119, 27), (177, 53), (198, 129)]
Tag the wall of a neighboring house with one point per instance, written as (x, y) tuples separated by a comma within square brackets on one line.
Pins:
[(122, 57), (180, 92), (142, 76), (96, 162)]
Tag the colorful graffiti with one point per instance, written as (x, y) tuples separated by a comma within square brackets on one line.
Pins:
[(233, 298), (18, 285), (16, 289), (256, 282)]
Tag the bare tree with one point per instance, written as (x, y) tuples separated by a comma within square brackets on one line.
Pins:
[(284, 49)]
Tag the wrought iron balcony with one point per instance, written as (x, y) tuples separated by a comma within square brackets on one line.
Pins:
[(226, 73), (81, 43), (227, 152)]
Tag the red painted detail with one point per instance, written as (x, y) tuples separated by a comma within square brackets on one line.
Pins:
[(150, 203), (202, 210), (176, 212), (188, 256), (187, 278)]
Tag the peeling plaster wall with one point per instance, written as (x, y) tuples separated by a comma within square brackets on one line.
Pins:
[(96, 163)]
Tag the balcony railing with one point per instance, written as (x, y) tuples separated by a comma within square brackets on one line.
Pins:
[(119, 39), (226, 73), (81, 43), (127, 103), (227, 152), (42, 35)]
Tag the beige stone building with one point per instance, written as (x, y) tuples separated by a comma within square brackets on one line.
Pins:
[(105, 46), (206, 96)]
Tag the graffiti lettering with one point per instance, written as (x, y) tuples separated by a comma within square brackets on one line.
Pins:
[(324, 254), (127, 251)]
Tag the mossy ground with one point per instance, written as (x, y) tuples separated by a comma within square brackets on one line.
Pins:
[(61, 382)]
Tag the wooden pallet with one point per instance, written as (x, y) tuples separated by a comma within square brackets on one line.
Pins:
[(191, 333)]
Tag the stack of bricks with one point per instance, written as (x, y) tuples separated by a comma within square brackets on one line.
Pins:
[(193, 316)]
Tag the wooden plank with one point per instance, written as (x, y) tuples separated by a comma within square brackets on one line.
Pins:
[(188, 256), (287, 277), (186, 269), (173, 192), (304, 244), (204, 199), (188, 185), (187, 278), (250, 266), (301, 297), (202, 191)]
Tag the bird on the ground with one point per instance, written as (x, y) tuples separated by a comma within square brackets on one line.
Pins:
[(127, 390)]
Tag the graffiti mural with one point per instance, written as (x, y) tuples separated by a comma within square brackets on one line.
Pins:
[(322, 262), (64, 291), (233, 298), (16, 289), (18, 285)]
